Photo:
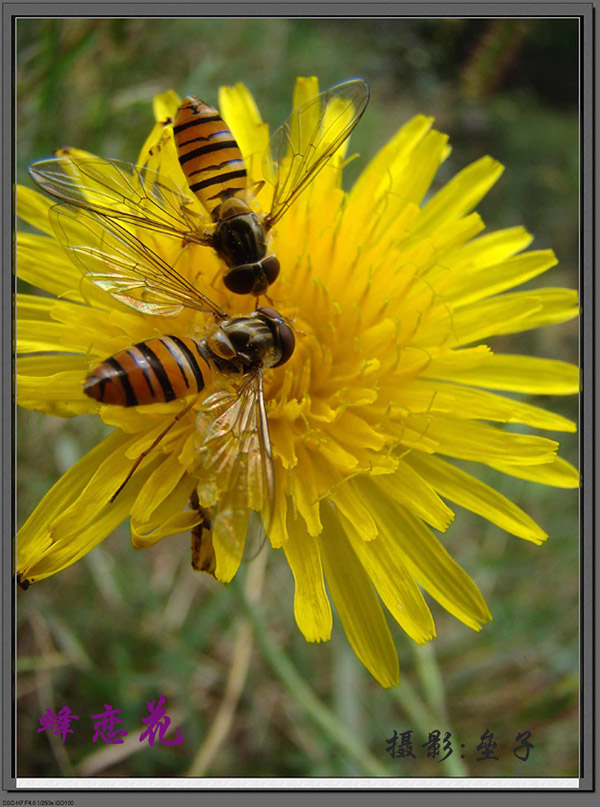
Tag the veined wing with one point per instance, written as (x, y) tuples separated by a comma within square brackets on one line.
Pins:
[(122, 191), (235, 466), (302, 146), (118, 262)]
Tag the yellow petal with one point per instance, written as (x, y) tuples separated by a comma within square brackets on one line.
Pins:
[(239, 110), (305, 88), (336, 454), (460, 194), (445, 363), (35, 330), (46, 365), (70, 549), (385, 171), (449, 240), (356, 604), (559, 473), (151, 532), (33, 208), (165, 106), (414, 491), (508, 313), (276, 522), (55, 273), (470, 492), (100, 489), (30, 306), (159, 154), (431, 566), (55, 393), (394, 584), (348, 500), (554, 306), (75, 515), (283, 438), (527, 374), (229, 552), (305, 493), (492, 248), (467, 402), (471, 287), (71, 327), (170, 516), (483, 443), (419, 171), (312, 609), (159, 485)]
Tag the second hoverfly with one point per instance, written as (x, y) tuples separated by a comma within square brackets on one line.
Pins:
[(225, 360), (216, 173)]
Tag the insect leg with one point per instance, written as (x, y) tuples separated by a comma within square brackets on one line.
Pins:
[(268, 298), (145, 453), (217, 277), (203, 555)]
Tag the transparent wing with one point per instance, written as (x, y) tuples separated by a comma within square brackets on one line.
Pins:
[(122, 191), (301, 147), (235, 464), (257, 536), (118, 262)]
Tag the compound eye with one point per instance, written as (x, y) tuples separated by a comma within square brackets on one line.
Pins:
[(270, 313), (241, 279), (271, 268), (287, 340)]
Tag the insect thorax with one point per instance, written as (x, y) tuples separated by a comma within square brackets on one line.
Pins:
[(248, 341), (239, 236)]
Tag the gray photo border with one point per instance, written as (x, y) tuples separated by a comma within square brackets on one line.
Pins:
[(588, 726)]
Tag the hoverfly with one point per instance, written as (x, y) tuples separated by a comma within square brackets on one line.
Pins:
[(233, 447), (211, 160)]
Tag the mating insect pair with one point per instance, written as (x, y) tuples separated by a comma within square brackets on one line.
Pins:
[(226, 360), (216, 173), (104, 201)]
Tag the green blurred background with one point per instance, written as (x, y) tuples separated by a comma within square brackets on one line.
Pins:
[(121, 626)]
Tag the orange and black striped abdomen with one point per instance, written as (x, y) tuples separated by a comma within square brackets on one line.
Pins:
[(155, 371), (208, 153)]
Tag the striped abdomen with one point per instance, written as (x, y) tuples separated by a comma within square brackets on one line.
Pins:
[(208, 153), (154, 371)]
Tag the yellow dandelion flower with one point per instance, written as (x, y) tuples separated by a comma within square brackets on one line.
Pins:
[(392, 296)]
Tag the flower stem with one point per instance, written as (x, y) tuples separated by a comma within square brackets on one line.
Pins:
[(324, 718), (419, 715), (432, 685), (348, 697), (238, 672)]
